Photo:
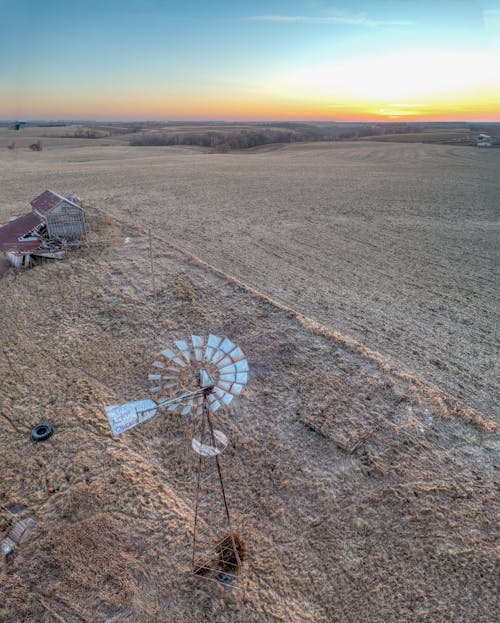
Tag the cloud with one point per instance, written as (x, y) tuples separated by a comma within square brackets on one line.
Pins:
[(339, 18), (492, 12)]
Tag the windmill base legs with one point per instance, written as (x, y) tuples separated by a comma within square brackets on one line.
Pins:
[(225, 564)]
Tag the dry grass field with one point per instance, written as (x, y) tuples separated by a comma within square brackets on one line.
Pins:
[(364, 492), (392, 244)]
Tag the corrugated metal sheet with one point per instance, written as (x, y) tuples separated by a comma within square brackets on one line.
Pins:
[(46, 201), (17, 228), (66, 222), (14, 259), (22, 247)]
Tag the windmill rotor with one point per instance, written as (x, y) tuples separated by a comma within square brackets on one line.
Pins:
[(213, 363)]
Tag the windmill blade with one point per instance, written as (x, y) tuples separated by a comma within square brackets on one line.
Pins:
[(214, 404), (169, 354), (187, 409), (237, 354), (213, 343), (217, 356), (234, 368), (237, 388), (224, 396), (227, 346), (235, 377), (198, 343), (184, 350)]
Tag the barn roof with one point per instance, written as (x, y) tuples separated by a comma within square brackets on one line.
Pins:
[(48, 200), (14, 229)]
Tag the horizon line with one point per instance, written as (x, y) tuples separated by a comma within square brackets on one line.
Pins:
[(233, 121)]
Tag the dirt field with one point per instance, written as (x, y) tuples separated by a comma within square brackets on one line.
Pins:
[(392, 244), (363, 494)]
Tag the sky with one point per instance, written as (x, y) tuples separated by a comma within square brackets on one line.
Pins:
[(232, 60)]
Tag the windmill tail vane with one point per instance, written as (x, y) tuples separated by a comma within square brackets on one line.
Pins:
[(197, 379)]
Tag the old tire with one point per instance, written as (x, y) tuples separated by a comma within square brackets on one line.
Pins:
[(41, 432)]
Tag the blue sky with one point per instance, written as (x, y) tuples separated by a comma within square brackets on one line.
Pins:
[(288, 59)]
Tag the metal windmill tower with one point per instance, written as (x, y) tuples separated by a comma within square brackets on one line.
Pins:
[(197, 379)]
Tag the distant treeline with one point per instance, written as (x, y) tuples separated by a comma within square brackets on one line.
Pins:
[(279, 133), (101, 131)]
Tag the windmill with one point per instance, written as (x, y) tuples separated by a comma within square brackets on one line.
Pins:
[(197, 379)]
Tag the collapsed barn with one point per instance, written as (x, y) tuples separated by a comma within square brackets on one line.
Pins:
[(54, 224)]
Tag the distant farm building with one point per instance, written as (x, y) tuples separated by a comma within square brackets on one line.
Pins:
[(484, 140), (54, 223)]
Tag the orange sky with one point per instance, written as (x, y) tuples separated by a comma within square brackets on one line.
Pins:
[(303, 60)]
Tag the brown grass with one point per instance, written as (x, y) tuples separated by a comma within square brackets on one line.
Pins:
[(360, 493)]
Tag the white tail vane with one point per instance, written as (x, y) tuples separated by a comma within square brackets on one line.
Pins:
[(196, 379)]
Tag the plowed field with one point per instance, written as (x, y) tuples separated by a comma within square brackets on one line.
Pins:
[(395, 245)]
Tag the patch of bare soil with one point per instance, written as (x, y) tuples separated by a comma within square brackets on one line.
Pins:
[(363, 494)]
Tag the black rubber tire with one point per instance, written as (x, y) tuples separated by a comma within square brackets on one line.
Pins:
[(41, 432)]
